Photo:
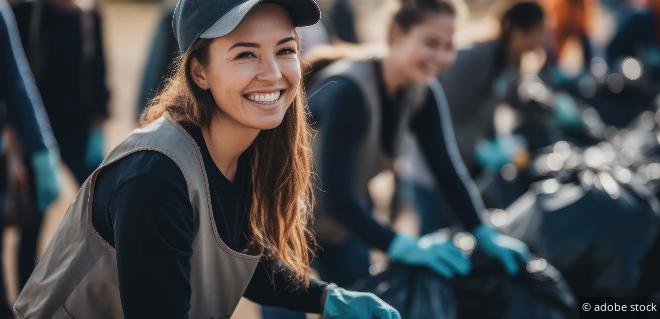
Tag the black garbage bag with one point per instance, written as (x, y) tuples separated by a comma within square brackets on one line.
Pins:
[(536, 292), (595, 232), (416, 292)]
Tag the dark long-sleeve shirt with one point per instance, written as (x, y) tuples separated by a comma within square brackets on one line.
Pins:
[(18, 93), (141, 208), (339, 109)]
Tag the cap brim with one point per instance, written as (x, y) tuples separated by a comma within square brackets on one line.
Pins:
[(302, 12)]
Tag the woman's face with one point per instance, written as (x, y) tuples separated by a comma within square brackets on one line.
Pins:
[(523, 41), (426, 49), (254, 72)]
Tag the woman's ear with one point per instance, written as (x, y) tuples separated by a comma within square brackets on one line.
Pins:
[(198, 74)]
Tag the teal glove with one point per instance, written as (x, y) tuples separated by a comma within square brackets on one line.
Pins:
[(566, 113), (558, 77), (45, 164), (511, 252), (341, 303), (435, 251), (94, 152), (494, 154), (651, 59)]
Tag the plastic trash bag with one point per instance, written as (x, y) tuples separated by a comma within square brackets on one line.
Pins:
[(595, 232), (416, 292), (537, 292)]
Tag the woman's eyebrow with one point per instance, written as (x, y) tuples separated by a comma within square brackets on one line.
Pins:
[(256, 45), (245, 44), (286, 40)]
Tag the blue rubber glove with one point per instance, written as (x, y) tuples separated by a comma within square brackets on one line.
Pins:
[(45, 164), (494, 154), (558, 77), (650, 57), (342, 303), (510, 252), (566, 113), (94, 152), (434, 251)]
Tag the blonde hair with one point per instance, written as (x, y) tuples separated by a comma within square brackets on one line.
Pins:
[(281, 161)]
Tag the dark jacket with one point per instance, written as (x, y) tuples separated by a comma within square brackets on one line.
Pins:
[(19, 99), (65, 50)]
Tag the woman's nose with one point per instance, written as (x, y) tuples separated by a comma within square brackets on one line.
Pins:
[(269, 70), (444, 57)]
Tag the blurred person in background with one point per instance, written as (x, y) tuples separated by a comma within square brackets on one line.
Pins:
[(160, 59), (362, 108), (210, 200), (569, 24), (638, 36), (621, 10), (21, 107), (339, 20), (482, 76), (485, 75), (64, 46)]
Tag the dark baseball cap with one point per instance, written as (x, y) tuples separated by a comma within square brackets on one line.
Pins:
[(209, 19)]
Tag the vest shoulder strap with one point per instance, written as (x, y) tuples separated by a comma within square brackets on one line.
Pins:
[(169, 138)]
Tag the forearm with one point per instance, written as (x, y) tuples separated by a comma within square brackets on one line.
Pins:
[(274, 285), (435, 134), (356, 217)]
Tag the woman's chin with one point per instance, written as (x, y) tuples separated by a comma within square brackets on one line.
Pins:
[(264, 116), (421, 78), (427, 78), (266, 122)]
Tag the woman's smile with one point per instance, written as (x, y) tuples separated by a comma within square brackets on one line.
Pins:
[(253, 73), (265, 97)]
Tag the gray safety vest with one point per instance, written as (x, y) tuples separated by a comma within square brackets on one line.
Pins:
[(77, 275), (371, 159)]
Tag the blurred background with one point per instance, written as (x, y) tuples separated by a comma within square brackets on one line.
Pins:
[(615, 92)]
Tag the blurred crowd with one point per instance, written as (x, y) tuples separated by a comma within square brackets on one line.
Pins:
[(519, 121)]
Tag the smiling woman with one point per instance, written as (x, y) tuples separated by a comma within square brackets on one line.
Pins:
[(365, 110), (210, 200)]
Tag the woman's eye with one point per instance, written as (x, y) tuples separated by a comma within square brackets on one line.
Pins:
[(286, 51), (431, 44), (246, 55)]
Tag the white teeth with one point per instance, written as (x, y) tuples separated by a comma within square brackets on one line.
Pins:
[(264, 97)]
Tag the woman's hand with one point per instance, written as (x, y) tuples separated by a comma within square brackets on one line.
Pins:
[(94, 152), (511, 252), (342, 303), (434, 251), (495, 153), (45, 164)]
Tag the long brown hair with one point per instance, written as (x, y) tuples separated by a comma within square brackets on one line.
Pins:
[(569, 19), (280, 212)]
